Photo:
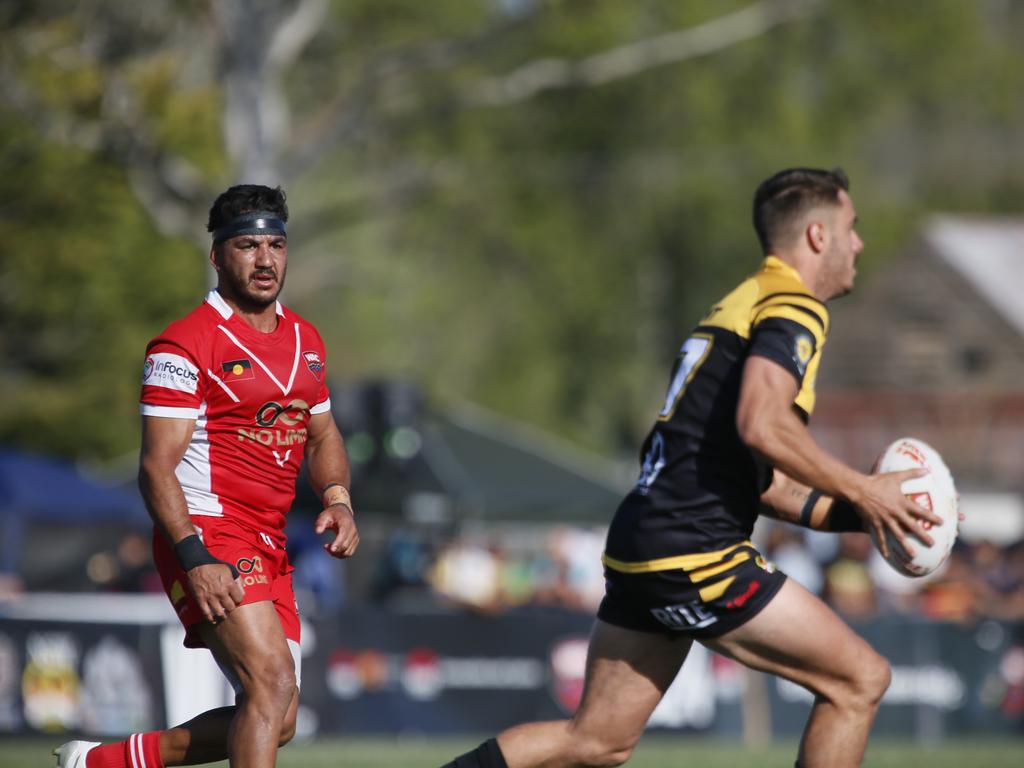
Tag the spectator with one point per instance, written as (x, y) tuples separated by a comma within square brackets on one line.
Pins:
[(848, 585), (468, 573)]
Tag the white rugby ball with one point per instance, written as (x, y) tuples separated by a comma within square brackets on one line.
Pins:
[(935, 491)]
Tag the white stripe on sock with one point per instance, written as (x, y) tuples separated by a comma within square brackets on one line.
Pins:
[(135, 751)]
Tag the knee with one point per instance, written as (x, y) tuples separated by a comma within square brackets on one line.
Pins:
[(274, 686), (869, 684), (876, 677)]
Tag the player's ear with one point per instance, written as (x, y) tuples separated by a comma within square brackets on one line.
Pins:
[(817, 236), (215, 257)]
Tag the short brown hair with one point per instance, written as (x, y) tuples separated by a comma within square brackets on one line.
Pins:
[(784, 197)]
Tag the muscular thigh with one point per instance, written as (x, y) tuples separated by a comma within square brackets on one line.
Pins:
[(798, 637), (627, 674), (250, 643)]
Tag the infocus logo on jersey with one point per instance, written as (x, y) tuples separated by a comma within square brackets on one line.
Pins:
[(171, 372)]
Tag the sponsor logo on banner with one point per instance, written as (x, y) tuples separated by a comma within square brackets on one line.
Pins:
[(568, 665), (116, 698), (350, 673), (423, 675), (50, 687), (1003, 688), (170, 372), (314, 363)]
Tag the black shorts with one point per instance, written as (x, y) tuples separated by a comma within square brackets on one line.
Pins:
[(701, 595)]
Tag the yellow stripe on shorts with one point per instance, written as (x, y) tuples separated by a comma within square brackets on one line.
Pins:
[(703, 574), (683, 562), (716, 590)]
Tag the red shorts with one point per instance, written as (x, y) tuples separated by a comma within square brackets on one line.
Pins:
[(262, 566)]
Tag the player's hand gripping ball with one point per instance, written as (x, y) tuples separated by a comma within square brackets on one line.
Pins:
[(934, 491)]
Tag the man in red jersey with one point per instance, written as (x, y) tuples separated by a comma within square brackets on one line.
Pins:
[(233, 396)]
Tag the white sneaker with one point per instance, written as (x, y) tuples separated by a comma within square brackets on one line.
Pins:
[(72, 754)]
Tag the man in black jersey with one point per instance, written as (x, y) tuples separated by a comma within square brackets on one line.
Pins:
[(730, 442)]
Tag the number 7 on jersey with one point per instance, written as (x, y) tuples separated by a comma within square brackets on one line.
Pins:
[(691, 355)]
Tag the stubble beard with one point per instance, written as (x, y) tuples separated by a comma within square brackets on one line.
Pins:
[(249, 298)]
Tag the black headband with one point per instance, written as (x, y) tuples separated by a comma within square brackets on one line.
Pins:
[(255, 223)]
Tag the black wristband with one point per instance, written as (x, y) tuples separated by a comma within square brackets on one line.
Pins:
[(192, 553), (843, 518), (808, 508)]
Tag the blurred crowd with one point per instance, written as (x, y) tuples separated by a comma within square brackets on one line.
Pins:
[(489, 570), (979, 579)]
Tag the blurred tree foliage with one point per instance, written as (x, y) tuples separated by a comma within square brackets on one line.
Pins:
[(484, 199)]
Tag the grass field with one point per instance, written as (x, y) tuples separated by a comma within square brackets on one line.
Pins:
[(653, 752)]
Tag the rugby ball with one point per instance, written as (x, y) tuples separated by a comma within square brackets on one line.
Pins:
[(934, 491)]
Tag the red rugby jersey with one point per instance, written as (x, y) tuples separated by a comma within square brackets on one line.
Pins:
[(251, 395)]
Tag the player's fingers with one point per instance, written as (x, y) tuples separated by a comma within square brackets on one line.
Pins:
[(221, 598), (916, 513), (923, 513), (923, 535), (910, 474), (341, 542), (214, 611), (880, 538), (227, 599), (237, 591), (351, 545), (205, 608), (902, 539), (345, 543)]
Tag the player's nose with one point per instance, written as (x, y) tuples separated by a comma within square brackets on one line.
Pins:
[(263, 256), (858, 244)]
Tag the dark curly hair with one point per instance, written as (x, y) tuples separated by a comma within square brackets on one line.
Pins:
[(246, 198)]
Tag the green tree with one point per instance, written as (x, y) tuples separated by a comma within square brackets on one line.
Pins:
[(525, 203)]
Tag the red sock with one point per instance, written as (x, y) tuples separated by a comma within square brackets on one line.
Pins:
[(140, 750)]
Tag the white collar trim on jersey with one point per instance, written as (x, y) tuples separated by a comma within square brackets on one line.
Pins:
[(215, 300)]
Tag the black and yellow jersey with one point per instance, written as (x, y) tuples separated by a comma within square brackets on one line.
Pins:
[(699, 483)]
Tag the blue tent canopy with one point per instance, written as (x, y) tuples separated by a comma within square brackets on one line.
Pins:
[(37, 489)]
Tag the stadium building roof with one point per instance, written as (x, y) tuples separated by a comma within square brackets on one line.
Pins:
[(989, 254)]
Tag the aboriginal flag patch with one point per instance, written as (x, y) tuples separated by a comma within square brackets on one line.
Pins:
[(237, 370), (314, 363)]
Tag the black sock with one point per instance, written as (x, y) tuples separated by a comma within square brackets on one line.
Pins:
[(487, 755)]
